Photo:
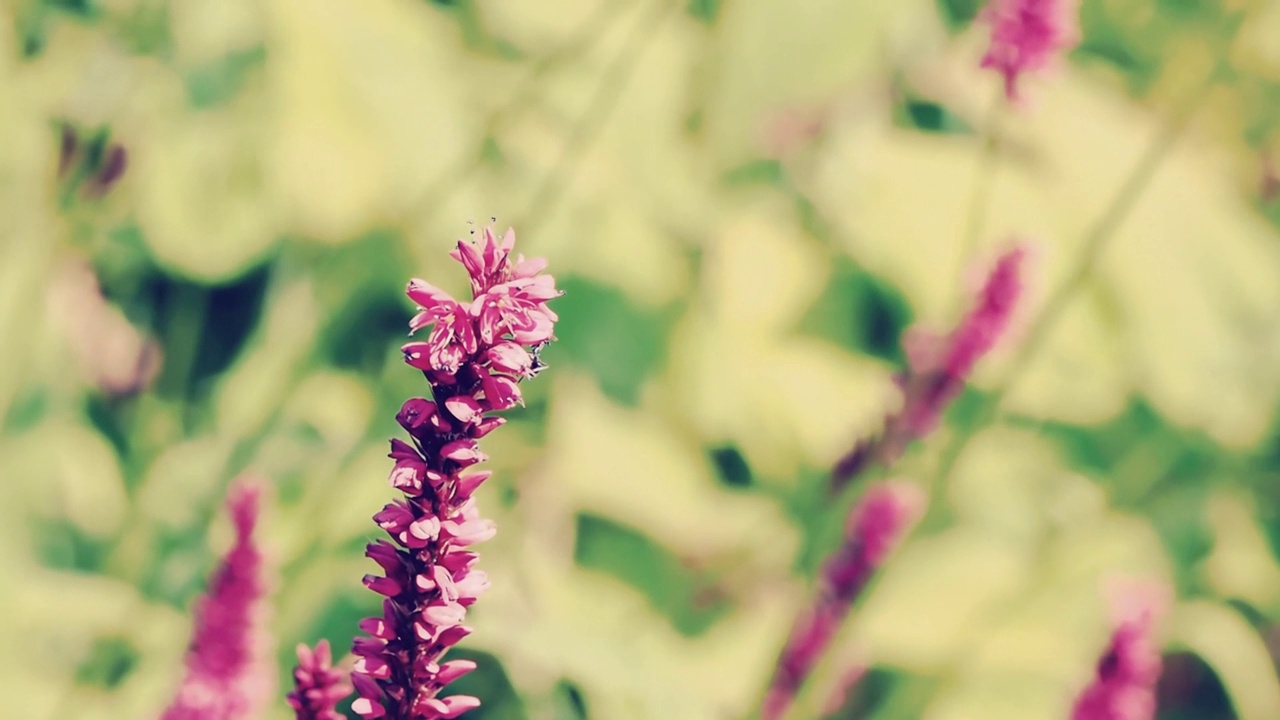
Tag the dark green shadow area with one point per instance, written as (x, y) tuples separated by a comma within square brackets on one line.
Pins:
[(109, 662), (1190, 690), (860, 312), (600, 330), (59, 544), (687, 598), (731, 466)]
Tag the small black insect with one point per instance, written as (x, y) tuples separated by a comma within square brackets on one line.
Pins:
[(537, 366)]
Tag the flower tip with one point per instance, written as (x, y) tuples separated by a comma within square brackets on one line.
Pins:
[(243, 505), (1135, 600)]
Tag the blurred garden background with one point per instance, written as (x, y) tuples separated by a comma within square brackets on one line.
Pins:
[(209, 210)]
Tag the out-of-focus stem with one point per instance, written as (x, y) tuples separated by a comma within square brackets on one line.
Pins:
[(612, 83)]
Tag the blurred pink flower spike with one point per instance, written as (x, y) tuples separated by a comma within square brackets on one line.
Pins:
[(227, 675), (317, 685), (877, 524), (938, 369), (1028, 36), (938, 366), (1124, 684), (474, 357)]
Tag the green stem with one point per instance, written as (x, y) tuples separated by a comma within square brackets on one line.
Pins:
[(530, 87)]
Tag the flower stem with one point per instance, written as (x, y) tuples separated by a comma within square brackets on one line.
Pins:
[(612, 84)]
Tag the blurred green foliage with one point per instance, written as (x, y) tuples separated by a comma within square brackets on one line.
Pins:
[(747, 204)]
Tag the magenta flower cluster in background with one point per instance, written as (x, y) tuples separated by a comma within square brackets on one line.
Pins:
[(318, 685), (475, 356), (1027, 36), (938, 368), (226, 677), (1124, 685), (878, 522)]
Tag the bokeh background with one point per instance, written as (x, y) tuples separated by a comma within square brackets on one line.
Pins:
[(208, 212)]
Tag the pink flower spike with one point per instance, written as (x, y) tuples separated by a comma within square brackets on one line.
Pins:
[(226, 664), (318, 686), (982, 328), (473, 359), (1124, 685), (877, 524), (1027, 36), (928, 395)]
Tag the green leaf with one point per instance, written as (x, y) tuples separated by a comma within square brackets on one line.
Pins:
[(929, 116), (704, 10), (111, 659), (676, 590), (217, 82), (756, 172), (28, 408), (859, 311), (618, 342), (959, 13)]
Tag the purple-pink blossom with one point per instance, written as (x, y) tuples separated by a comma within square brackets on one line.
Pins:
[(317, 684), (226, 678), (1027, 36), (938, 366), (876, 525), (475, 354), (938, 369), (1124, 684)]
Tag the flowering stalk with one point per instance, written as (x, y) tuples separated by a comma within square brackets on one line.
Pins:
[(876, 525), (1124, 685), (1026, 36), (226, 678), (937, 369), (317, 684), (473, 359)]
